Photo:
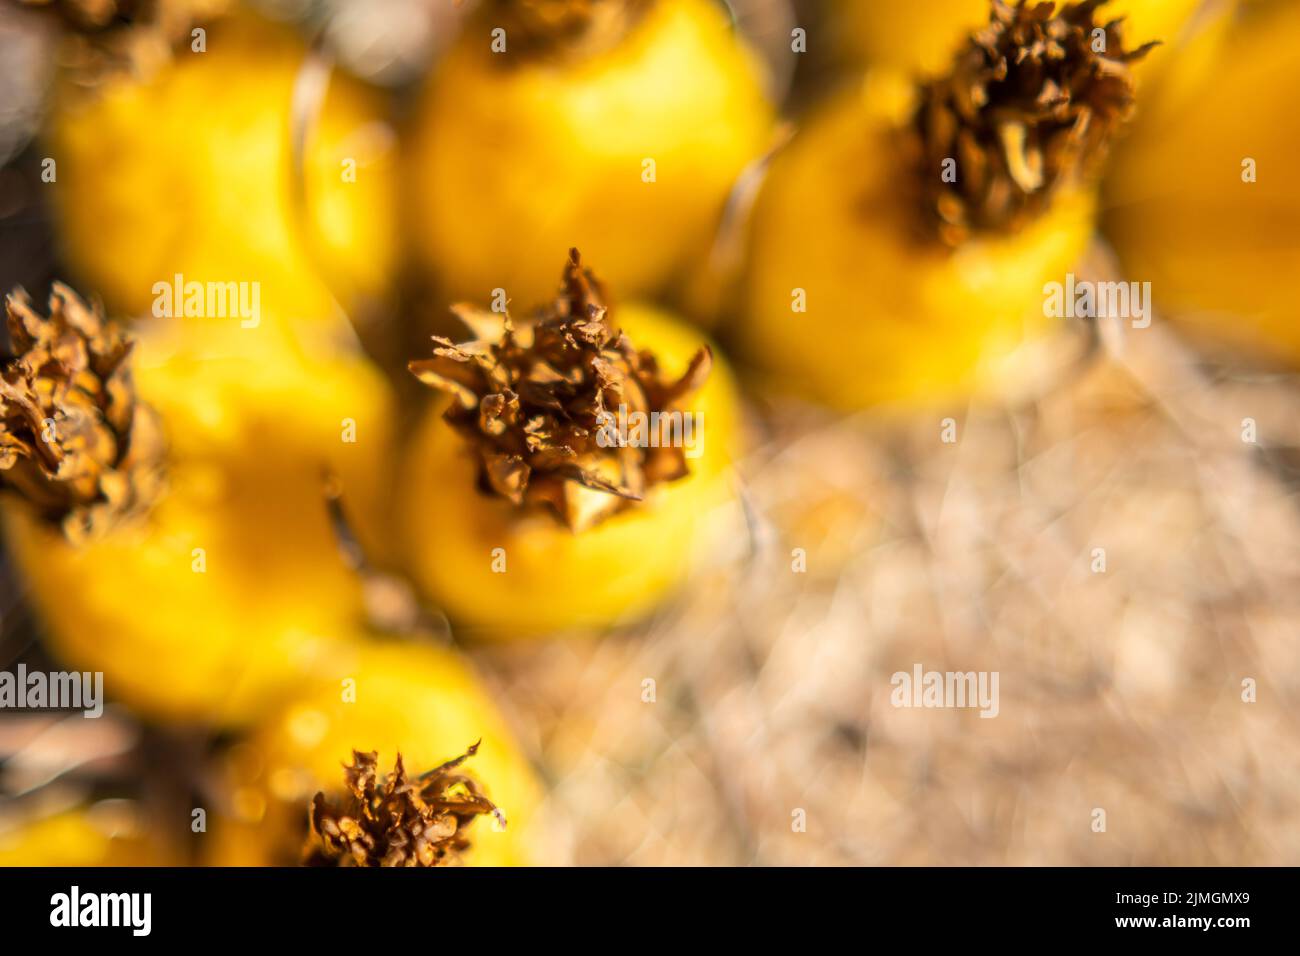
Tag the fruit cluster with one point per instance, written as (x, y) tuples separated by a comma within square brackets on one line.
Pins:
[(221, 515)]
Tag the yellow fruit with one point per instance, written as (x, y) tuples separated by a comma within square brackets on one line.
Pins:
[(505, 570), (922, 37), (420, 701), (275, 410), (188, 170), (81, 837), (209, 605), (1218, 249), (873, 279), (887, 319), (520, 155)]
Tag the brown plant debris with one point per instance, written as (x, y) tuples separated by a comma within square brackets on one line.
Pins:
[(394, 821), (573, 27), (1031, 104), (539, 403), (74, 440), (105, 38), (86, 14)]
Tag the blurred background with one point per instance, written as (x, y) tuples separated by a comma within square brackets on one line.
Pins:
[(1114, 528)]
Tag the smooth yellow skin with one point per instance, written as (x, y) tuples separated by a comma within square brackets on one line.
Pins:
[(556, 579), (1219, 252), (889, 319), (252, 422), (922, 37), (75, 838), (516, 160), (422, 701), (188, 170)]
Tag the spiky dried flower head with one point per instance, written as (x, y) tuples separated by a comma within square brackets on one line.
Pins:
[(531, 399), (395, 820), (75, 441), (1030, 105), (573, 27)]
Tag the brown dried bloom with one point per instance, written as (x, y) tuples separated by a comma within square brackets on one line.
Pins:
[(394, 821), (1031, 103), (85, 14), (74, 440), (576, 27), (538, 402), (108, 37)]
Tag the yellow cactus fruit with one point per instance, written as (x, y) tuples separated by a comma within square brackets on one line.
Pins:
[(618, 126), (922, 37), (172, 529), (189, 170), (901, 244), (1202, 199), (545, 495), (417, 701)]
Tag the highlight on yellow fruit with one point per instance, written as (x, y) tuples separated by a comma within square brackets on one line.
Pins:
[(188, 170), (211, 597), (624, 142), (573, 549), (1202, 199), (922, 37), (901, 244), (421, 701), (105, 834)]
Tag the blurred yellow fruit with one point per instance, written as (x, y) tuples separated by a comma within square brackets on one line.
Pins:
[(922, 37), (231, 585), (188, 170), (508, 570), (421, 701), (887, 318), (627, 151), (94, 836), (902, 242), (1203, 201)]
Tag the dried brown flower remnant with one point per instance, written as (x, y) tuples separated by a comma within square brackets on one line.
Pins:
[(108, 37), (395, 821), (74, 440), (532, 400), (1031, 103), (578, 27), (87, 14)]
